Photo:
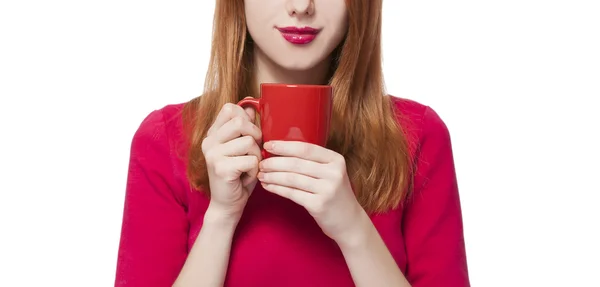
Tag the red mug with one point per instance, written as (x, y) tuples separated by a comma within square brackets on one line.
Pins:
[(293, 112)]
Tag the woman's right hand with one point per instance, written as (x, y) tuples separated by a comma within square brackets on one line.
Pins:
[(232, 152)]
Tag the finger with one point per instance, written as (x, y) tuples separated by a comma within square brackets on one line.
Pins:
[(245, 145), (241, 164), (249, 181), (250, 176), (292, 164), (240, 147), (250, 186), (302, 150), (251, 113), (227, 112), (237, 127), (290, 179), (298, 196)]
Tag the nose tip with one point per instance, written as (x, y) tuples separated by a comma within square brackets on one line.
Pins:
[(301, 7)]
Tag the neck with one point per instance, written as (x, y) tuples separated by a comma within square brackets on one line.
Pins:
[(267, 71)]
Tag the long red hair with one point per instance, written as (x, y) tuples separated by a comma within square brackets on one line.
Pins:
[(364, 127)]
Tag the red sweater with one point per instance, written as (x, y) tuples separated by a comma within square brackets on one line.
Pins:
[(277, 243)]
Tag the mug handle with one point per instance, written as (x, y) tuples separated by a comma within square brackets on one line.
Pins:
[(254, 103), (250, 101)]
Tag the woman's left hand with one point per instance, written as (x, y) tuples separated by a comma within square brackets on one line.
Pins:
[(315, 178)]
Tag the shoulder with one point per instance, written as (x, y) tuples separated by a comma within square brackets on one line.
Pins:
[(428, 139), (165, 116), (156, 148), (159, 138), (160, 124), (419, 122)]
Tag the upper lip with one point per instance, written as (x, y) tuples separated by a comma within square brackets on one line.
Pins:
[(298, 30)]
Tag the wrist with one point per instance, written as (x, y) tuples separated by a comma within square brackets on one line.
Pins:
[(359, 234), (219, 218)]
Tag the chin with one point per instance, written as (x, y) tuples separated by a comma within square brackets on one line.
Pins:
[(294, 61), (297, 66), (297, 59)]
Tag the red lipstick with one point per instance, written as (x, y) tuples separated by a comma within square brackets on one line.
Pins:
[(298, 35)]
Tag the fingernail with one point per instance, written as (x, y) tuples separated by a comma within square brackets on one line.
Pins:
[(260, 176), (269, 145)]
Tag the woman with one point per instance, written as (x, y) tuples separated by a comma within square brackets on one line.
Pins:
[(378, 206)]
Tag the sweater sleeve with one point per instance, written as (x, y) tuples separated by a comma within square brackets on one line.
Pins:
[(153, 245), (432, 225)]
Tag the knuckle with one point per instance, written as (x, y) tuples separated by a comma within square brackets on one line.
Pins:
[(289, 178), (249, 164), (257, 130), (300, 168), (248, 141), (228, 106), (205, 145), (209, 156), (220, 169), (337, 175), (227, 109), (305, 150), (255, 162), (238, 122), (340, 160), (237, 110), (295, 165)]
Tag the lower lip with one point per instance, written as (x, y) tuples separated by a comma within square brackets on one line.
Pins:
[(298, 39)]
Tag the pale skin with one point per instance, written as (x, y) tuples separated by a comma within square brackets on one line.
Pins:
[(312, 176), (309, 175)]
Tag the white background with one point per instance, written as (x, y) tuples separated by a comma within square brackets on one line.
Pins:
[(517, 82)]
